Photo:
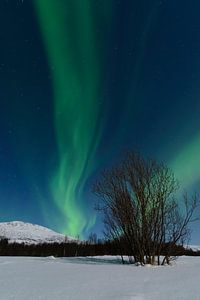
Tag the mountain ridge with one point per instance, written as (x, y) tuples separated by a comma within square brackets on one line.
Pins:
[(28, 233)]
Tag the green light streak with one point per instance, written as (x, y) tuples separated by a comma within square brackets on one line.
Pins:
[(186, 164), (68, 33)]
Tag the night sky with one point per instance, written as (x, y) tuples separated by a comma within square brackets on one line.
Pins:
[(82, 80)]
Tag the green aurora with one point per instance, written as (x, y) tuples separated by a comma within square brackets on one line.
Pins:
[(69, 37), (186, 164), (82, 81), (76, 58)]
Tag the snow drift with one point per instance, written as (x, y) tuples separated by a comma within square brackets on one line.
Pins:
[(100, 278)]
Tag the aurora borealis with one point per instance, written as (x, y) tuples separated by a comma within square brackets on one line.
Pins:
[(81, 80), (72, 52)]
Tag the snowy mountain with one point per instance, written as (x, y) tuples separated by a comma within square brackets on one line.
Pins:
[(195, 248), (28, 233)]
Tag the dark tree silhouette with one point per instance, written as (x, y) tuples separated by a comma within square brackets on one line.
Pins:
[(137, 198)]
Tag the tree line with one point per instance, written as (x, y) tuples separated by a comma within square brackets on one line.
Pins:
[(77, 249)]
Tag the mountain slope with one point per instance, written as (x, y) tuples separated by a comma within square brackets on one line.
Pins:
[(28, 233)]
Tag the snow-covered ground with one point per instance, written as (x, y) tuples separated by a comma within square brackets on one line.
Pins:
[(96, 279), (20, 232)]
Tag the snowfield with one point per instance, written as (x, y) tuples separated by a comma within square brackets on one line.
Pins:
[(31, 278)]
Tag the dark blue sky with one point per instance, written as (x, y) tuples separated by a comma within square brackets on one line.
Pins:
[(148, 96)]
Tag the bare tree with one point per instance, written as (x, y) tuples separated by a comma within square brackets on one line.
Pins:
[(92, 239), (177, 231), (137, 198)]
